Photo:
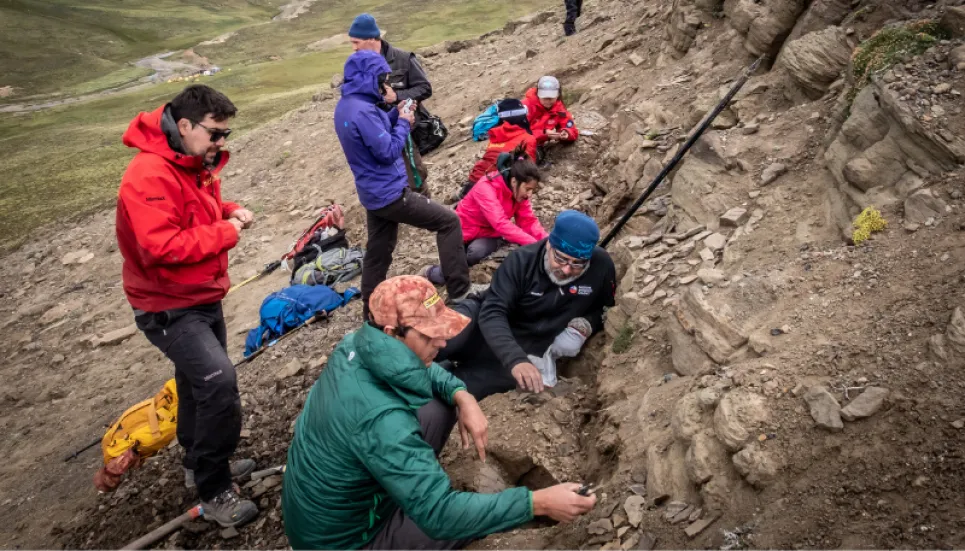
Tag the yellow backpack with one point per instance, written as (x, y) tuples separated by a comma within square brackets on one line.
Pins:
[(147, 426)]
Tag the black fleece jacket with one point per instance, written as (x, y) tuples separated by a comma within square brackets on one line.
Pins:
[(407, 77), (523, 311)]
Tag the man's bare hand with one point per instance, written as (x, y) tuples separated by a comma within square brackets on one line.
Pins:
[(245, 216), (562, 503), (238, 225), (410, 116), (389, 94), (472, 423), (528, 377)]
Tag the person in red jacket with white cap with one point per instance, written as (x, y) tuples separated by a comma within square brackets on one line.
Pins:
[(548, 118), (174, 232)]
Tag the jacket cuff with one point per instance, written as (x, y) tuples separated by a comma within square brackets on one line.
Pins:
[(452, 395)]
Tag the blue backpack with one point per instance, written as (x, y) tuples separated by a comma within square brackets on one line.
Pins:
[(287, 309), (482, 124)]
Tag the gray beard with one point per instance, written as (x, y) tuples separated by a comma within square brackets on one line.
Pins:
[(547, 267)]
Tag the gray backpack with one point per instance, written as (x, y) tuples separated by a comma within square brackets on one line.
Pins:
[(330, 267)]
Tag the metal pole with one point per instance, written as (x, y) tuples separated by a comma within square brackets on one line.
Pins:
[(154, 535), (82, 450), (681, 152)]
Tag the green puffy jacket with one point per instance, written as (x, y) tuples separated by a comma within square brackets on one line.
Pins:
[(358, 454)]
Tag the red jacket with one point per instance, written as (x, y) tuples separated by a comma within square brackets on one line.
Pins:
[(542, 119), (171, 223), (502, 139), (488, 210)]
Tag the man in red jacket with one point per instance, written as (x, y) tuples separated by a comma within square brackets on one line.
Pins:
[(174, 232)]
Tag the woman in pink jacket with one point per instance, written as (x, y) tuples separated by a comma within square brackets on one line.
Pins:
[(497, 210)]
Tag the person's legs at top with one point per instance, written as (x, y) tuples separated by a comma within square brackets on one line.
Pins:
[(573, 9), (421, 212), (379, 246)]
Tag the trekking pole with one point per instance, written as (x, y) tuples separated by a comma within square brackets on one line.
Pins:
[(682, 151), (269, 268), (272, 266), (72, 456), (153, 536)]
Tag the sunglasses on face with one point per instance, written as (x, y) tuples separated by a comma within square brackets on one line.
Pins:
[(216, 133), (576, 264)]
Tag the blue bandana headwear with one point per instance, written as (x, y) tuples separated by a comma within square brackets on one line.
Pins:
[(575, 234)]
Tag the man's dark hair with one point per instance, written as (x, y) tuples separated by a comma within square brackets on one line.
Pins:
[(197, 101)]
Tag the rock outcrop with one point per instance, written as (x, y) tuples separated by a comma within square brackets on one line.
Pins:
[(884, 150), (765, 25), (817, 59)]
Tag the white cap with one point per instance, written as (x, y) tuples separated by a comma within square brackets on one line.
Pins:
[(548, 87)]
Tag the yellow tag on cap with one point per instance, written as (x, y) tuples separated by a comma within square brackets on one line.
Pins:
[(431, 301)]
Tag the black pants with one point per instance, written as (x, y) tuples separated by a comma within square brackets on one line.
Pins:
[(421, 212), (436, 420), (209, 406), (477, 250), (574, 8), (474, 362)]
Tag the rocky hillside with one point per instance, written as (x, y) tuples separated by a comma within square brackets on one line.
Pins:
[(769, 377)]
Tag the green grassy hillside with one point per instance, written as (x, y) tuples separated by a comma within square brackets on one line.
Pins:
[(67, 161), (49, 45)]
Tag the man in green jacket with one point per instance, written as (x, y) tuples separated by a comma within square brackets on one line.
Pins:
[(363, 469)]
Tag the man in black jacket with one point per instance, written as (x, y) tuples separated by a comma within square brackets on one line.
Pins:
[(540, 290), (406, 81)]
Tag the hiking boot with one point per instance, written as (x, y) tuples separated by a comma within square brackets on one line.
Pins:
[(239, 469), (228, 509), (474, 290)]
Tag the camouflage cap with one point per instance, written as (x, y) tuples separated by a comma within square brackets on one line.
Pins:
[(412, 301)]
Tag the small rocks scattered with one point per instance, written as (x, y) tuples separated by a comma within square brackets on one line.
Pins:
[(715, 241), (710, 276), (734, 217), (772, 173), (114, 337), (866, 404), (825, 410), (291, 369), (634, 506), (72, 258), (696, 528), (600, 527)]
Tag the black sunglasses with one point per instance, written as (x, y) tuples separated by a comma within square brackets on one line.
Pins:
[(216, 134)]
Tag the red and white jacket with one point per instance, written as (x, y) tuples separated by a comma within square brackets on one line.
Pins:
[(542, 119)]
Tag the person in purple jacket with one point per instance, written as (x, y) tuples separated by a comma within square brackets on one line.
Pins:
[(372, 135)]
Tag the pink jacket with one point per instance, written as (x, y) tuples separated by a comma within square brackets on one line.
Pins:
[(488, 210)]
